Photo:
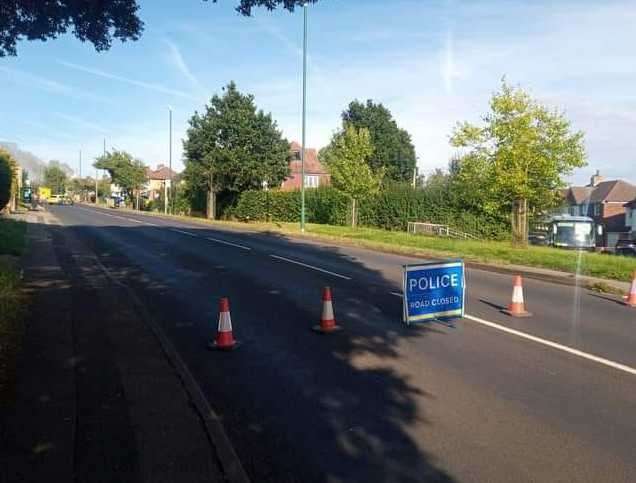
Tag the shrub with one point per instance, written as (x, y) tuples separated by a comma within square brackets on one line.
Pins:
[(6, 178)]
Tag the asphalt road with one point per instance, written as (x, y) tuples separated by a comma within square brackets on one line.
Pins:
[(380, 401)]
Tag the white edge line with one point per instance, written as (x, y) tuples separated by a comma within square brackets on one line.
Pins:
[(311, 267), (554, 345), (223, 242)]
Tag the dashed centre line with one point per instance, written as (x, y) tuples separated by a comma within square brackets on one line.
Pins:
[(318, 269)]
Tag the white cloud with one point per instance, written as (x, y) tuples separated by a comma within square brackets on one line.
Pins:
[(21, 77), (182, 67), (144, 85)]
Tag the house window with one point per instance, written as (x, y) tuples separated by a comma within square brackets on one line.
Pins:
[(597, 209), (312, 181)]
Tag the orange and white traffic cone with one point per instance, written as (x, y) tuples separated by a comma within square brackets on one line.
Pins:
[(630, 299), (224, 338), (327, 320), (517, 307)]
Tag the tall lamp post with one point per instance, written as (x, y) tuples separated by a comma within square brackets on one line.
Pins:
[(169, 166), (302, 150)]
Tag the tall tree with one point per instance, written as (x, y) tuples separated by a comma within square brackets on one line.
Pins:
[(8, 182), (232, 147), (98, 22), (55, 178), (394, 149), (518, 158), (125, 171), (347, 160)]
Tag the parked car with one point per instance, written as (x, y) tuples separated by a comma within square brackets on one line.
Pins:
[(60, 200), (626, 247)]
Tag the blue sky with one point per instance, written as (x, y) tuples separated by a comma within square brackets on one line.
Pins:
[(433, 63)]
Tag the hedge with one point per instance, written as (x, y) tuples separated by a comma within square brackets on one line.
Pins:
[(6, 178), (391, 209)]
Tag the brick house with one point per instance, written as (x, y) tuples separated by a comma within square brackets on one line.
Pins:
[(604, 201), (315, 173), (158, 180)]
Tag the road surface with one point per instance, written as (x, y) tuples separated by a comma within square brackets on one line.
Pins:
[(380, 401)]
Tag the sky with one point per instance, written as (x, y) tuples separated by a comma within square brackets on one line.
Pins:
[(432, 63)]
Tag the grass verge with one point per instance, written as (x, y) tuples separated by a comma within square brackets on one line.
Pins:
[(605, 266), (12, 243)]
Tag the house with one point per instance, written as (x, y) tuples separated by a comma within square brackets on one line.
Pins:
[(315, 173), (604, 201), (159, 180), (630, 218)]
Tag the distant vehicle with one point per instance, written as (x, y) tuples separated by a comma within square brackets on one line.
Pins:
[(538, 238), (60, 200), (575, 232), (626, 247), (44, 193)]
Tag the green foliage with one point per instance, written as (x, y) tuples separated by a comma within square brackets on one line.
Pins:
[(522, 152), (12, 235), (346, 160), (393, 149), (124, 170), (391, 209), (56, 179), (232, 147), (96, 22), (7, 170)]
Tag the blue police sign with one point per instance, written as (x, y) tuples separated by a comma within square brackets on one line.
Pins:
[(433, 290)]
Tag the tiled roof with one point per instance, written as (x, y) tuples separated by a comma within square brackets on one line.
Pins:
[(580, 194), (613, 191), (161, 173), (312, 164)]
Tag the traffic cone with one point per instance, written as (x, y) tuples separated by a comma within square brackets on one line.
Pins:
[(327, 320), (224, 339), (630, 299), (517, 307)]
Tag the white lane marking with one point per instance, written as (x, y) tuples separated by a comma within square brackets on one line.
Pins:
[(116, 216), (549, 343), (236, 245), (185, 233), (318, 269), (554, 345)]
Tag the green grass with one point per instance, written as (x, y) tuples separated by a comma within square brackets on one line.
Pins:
[(606, 266), (12, 237), (12, 244), (493, 252)]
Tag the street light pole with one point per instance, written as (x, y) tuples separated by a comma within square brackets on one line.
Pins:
[(80, 173), (169, 165), (302, 150)]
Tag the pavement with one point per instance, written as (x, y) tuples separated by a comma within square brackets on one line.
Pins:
[(99, 396), (548, 398)]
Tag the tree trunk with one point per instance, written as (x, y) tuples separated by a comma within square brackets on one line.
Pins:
[(520, 223), (354, 214), (210, 208)]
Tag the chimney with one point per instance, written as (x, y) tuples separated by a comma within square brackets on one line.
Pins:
[(596, 179)]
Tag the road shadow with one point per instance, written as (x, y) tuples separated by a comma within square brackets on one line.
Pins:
[(297, 406)]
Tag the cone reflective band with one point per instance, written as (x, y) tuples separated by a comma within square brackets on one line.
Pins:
[(630, 300), (224, 337), (327, 319), (517, 307)]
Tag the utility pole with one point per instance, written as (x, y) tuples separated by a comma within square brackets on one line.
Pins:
[(165, 201), (80, 175), (302, 150)]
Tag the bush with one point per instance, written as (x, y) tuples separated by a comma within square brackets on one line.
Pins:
[(6, 178), (390, 209)]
